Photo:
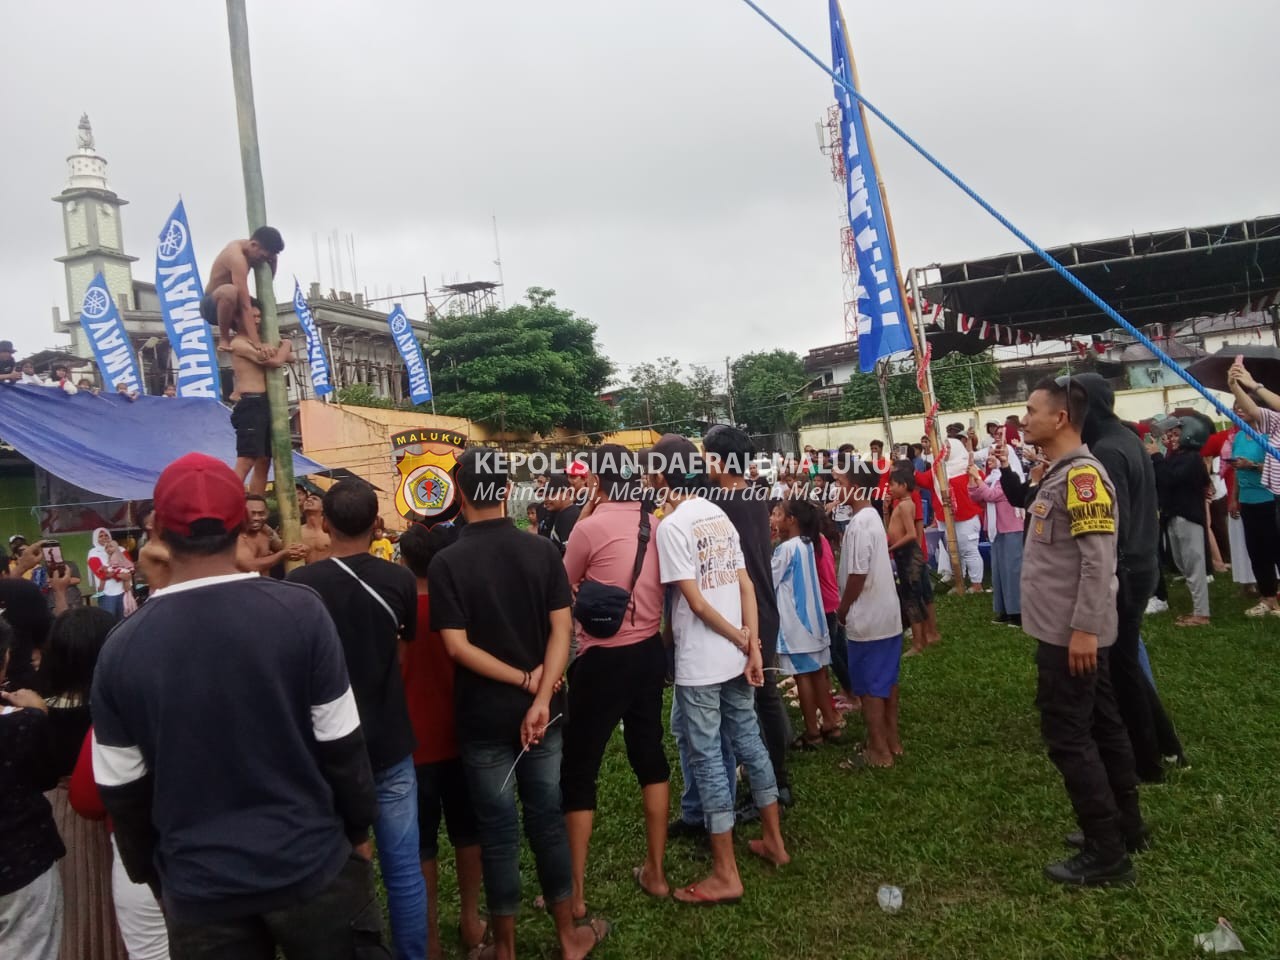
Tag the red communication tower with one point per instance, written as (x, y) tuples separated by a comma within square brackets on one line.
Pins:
[(832, 144)]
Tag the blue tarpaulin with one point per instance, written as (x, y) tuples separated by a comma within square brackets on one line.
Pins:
[(111, 445)]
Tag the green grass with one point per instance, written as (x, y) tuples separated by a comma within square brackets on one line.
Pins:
[(965, 823)]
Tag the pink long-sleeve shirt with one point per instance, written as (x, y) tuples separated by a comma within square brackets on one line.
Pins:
[(1007, 518)]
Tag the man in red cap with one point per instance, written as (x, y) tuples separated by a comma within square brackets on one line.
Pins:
[(228, 749)]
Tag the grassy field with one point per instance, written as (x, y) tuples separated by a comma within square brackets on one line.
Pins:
[(965, 823)]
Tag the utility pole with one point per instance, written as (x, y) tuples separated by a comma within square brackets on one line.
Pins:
[(882, 378), (728, 390), (256, 206)]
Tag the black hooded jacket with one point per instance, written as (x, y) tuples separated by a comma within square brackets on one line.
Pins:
[(1129, 465)]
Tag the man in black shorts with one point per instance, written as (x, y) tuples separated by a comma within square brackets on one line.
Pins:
[(251, 417)]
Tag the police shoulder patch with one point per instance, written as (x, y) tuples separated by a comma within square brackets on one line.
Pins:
[(1089, 504)]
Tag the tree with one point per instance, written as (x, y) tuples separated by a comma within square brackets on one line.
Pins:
[(363, 395), (662, 395), (766, 386), (959, 383), (529, 368)]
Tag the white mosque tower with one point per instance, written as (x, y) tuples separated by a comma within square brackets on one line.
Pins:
[(94, 234)]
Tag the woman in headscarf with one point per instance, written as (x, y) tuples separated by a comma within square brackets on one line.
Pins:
[(110, 581)]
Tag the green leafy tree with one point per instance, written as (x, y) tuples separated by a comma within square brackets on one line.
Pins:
[(663, 395), (531, 368), (959, 382), (767, 391), (363, 395)]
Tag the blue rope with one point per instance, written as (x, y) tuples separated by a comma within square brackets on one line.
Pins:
[(1062, 271)]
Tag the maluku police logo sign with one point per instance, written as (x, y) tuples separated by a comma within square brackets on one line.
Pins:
[(425, 463)]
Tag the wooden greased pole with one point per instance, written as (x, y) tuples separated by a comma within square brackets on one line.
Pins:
[(940, 484), (255, 202)]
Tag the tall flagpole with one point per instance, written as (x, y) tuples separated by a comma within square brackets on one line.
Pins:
[(256, 204), (940, 483)]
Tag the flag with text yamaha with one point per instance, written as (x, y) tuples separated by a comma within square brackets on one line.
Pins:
[(882, 316), (316, 361), (411, 351), (111, 346), (180, 291)]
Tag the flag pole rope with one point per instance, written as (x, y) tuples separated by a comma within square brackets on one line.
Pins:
[(1004, 221)]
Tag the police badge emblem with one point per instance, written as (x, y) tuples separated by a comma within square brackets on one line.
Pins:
[(425, 463)]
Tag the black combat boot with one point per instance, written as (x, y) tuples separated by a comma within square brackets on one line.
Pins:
[(1092, 867)]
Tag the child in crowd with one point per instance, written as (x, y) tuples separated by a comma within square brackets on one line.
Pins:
[(804, 644), (428, 673), (915, 589), (871, 616)]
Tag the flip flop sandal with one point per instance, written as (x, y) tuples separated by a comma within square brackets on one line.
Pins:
[(805, 742), (637, 872), (594, 924), (700, 899)]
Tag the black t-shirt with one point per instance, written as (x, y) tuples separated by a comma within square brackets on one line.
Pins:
[(500, 585), (369, 641), (1181, 482), (561, 525), (749, 514)]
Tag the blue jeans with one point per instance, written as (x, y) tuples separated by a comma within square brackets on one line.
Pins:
[(113, 605), (690, 799), (396, 831), (710, 713), (537, 778)]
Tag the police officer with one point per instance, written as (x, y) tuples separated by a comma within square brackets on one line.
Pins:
[(1069, 568)]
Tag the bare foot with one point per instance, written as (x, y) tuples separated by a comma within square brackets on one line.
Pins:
[(586, 938), (778, 857), (1192, 621), (579, 910), (224, 347), (914, 652), (976, 588), (933, 640), (895, 746), (710, 890)]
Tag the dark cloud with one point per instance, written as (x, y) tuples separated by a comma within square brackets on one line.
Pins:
[(656, 163)]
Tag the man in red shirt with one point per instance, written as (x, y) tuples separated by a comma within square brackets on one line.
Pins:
[(427, 670), (968, 525)]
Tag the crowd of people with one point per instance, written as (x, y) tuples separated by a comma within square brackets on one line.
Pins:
[(229, 793)]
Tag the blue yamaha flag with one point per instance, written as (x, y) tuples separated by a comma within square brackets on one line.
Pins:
[(316, 361), (111, 346), (402, 334), (178, 286), (882, 316)]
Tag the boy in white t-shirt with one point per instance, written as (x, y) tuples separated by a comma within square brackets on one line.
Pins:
[(717, 663), (871, 614)]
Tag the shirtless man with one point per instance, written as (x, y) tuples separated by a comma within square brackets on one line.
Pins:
[(915, 589), (251, 415), (227, 301), (259, 547), (314, 536)]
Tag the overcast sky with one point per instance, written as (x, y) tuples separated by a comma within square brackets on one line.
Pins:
[(655, 162)]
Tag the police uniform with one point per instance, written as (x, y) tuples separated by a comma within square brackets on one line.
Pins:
[(1069, 571)]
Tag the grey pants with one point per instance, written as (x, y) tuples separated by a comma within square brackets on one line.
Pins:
[(1186, 541), (31, 919)]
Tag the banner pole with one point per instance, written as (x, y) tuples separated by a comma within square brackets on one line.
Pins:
[(934, 430), (940, 483), (256, 207)]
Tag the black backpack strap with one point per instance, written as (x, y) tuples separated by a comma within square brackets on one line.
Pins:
[(642, 546)]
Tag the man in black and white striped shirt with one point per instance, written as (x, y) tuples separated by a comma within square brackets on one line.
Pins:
[(228, 748)]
